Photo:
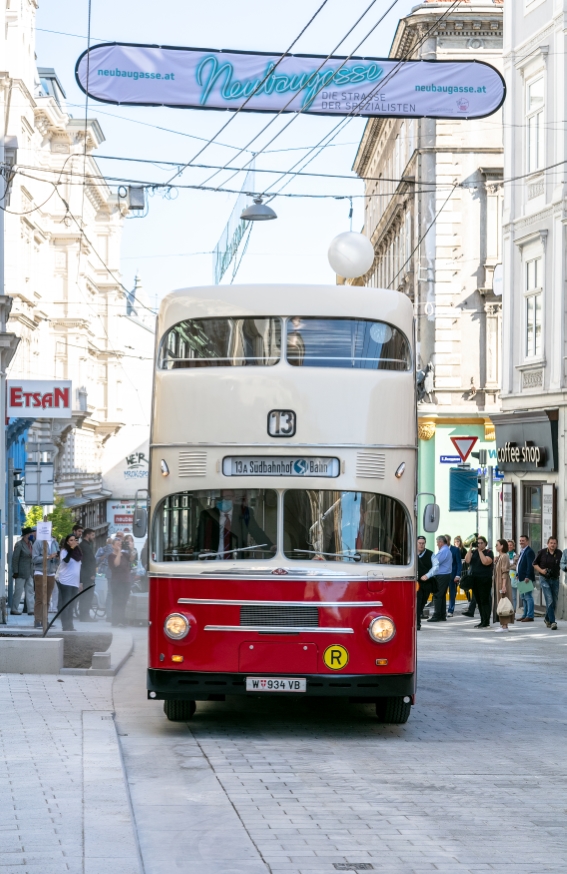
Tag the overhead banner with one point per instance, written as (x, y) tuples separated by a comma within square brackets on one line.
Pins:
[(145, 75)]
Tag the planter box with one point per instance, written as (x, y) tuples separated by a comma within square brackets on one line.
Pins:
[(31, 655)]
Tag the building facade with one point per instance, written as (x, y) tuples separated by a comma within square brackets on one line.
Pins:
[(70, 311), (433, 214), (531, 429)]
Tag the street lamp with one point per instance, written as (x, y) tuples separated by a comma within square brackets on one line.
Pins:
[(351, 255), (258, 212)]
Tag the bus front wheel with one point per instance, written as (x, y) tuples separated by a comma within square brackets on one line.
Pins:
[(394, 711), (179, 711)]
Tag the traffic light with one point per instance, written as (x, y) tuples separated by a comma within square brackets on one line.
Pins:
[(481, 456), (18, 484), (481, 488)]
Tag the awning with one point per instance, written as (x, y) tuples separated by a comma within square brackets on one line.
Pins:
[(75, 502)]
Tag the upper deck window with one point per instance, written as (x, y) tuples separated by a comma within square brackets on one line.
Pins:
[(355, 343), (232, 342)]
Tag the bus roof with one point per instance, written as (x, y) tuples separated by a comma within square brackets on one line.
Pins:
[(338, 301)]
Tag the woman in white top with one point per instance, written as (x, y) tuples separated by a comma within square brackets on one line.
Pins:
[(69, 574)]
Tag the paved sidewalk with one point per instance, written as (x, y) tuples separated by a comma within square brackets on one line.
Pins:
[(63, 801)]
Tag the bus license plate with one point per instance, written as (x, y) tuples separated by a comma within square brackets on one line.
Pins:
[(275, 684)]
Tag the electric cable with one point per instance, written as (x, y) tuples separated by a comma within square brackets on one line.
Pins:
[(290, 101), (256, 89), (346, 120)]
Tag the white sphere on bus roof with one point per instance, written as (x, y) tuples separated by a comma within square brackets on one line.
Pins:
[(351, 255)]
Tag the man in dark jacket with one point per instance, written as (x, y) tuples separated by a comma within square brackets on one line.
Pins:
[(88, 575), (525, 576), (547, 564), (424, 557), (224, 529)]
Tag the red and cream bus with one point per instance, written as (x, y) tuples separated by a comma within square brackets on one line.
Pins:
[(283, 489)]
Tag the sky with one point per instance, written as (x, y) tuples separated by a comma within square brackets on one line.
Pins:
[(171, 246)]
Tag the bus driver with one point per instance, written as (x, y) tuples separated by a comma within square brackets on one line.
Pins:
[(225, 528)]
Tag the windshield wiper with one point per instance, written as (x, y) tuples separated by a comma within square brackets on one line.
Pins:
[(204, 555), (354, 555)]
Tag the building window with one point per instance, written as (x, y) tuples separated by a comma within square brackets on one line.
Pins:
[(535, 129), (534, 295)]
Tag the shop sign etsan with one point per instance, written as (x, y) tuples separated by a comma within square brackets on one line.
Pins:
[(39, 398), (529, 453)]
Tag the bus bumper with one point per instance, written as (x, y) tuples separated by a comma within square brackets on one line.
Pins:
[(194, 686)]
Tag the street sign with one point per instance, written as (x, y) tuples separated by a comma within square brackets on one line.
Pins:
[(449, 459), (464, 446), (38, 488)]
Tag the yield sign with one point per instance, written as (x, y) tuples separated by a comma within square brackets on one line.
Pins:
[(464, 445)]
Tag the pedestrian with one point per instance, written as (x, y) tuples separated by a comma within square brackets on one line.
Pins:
[(88, 575), (441, 567), (102, 567), (513, 556), (120, 581), (547, 563), (22, 572), (128, 543), (525, 577), (52, 565), (502, 585), (424, 557), (481, 559), (69, 578), (456, 572)]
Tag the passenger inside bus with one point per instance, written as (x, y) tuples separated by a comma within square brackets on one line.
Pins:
[(226, 529)]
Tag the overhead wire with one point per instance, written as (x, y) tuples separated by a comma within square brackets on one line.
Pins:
[(299, 112), (345, 121), (256, 89)]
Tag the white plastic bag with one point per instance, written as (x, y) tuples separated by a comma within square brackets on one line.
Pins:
[(505, 607)]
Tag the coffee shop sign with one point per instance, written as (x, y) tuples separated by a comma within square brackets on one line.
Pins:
[(526, 454)]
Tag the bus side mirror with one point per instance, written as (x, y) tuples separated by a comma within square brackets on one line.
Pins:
[(140, 523), (431, 516)]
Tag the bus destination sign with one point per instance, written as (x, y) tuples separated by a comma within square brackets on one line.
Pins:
[(280, 465)]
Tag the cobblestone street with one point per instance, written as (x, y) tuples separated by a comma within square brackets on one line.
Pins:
[(474, 782)]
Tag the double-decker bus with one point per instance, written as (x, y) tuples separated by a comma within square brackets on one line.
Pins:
[(282, 491)]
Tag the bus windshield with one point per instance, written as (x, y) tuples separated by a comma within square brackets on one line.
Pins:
[(223, 342), (358, 343), (213, 524), (330, 525)]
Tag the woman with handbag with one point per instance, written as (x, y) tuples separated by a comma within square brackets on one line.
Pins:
[(502, 586)]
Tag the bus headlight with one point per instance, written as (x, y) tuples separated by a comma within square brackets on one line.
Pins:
[(176, 626), (381, 629)]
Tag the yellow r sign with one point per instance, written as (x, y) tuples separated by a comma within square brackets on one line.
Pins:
[(335, 657)]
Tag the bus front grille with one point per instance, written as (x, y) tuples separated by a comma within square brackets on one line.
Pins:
[(292, 617)]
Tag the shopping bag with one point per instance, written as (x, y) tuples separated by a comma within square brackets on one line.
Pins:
[(505, 607)]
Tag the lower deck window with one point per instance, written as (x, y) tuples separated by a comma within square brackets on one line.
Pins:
[(326, 525), (216, 525)]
